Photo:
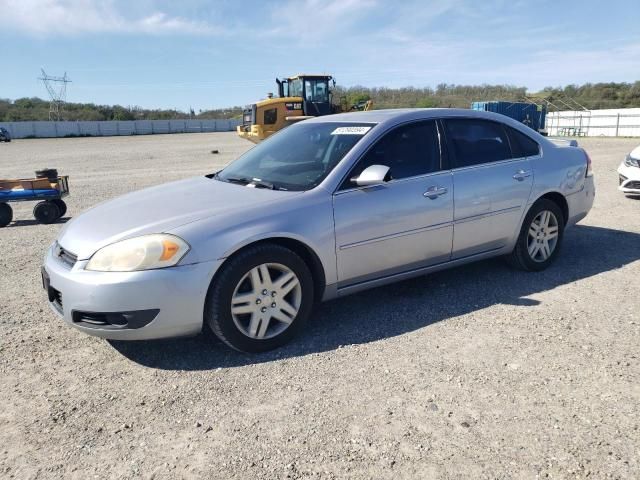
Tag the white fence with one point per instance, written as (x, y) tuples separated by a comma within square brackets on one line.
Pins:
[(620, 122), (98, 129)]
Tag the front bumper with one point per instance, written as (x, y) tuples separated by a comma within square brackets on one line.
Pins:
[(178, 294), (629, 179)]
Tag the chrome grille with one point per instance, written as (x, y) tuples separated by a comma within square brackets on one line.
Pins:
[(66, 257)]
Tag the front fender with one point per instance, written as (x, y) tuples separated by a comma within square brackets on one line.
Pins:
[(270, 235), (308, 220)]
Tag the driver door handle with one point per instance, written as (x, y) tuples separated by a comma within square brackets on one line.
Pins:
[(434, 192), (520, 175)]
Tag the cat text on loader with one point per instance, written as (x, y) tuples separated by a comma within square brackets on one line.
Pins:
[(299, 98)]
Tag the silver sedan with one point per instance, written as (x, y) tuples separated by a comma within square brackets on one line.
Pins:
[(325, 208)]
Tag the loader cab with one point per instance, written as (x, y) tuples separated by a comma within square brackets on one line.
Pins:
[(299, 97), (315, 91)]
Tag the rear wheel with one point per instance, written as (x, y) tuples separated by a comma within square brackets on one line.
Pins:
[(540, 237), (6, 214), (46, 212), (261, 298), (61, 206)]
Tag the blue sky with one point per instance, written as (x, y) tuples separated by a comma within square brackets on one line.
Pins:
[(205, 54)]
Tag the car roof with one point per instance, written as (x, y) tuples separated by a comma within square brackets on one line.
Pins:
[(400, 115)]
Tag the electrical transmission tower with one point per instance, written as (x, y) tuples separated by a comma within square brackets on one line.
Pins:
[(57, 88)]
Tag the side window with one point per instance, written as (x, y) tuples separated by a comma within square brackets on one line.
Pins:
[(521, 144), (477, 141), (408, 151), (270, 116)]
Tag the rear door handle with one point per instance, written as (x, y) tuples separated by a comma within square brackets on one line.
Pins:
[(434, 192), (520, 175)]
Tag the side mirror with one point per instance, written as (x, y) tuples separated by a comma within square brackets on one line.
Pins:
[(373, 175)]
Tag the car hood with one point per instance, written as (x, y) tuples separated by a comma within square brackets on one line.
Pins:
[(159, 209), (635, 153)]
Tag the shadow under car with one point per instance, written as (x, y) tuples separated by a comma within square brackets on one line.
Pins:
[(406, 306)]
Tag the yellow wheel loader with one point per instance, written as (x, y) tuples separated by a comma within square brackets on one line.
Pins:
[(299, 97)]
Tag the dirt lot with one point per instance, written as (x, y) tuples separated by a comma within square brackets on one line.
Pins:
[(478, 372)]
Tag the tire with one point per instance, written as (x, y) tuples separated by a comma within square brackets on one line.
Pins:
[(530, 253), (61, 206), (244, 329), (46, 212), (6, 214)]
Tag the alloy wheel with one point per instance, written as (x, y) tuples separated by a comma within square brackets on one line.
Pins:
[(543, 236), (266, 301)]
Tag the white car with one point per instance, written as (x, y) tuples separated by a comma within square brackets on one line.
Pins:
[(629, 173)]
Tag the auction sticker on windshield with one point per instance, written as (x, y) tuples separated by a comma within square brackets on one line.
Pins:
[(350, 130)]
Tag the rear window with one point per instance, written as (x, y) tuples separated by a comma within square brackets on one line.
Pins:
[(474, 142), (521, 144)]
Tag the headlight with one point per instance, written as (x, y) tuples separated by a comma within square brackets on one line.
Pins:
[(629, 161), (140, 253)]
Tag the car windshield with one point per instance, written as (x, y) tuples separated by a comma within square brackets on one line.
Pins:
[(297, 158)]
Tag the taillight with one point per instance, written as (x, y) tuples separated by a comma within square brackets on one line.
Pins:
[(589, 168)]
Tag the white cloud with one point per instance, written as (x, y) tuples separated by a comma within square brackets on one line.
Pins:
[(162, 23), (310, 20), (72, 17)]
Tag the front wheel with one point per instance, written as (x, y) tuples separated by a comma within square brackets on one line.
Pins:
[(540, 237), (260, 299)]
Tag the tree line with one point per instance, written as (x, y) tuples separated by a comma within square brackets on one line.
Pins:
[(589, 95), (34, 109)]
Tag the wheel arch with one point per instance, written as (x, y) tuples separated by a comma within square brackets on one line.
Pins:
[(558, 199), (555, 197), (302, 249)]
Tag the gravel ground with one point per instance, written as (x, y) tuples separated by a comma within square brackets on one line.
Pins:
[(477, 372)]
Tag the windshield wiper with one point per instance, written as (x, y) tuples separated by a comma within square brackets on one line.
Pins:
[(240, 180), (253, 181), (263, 184)]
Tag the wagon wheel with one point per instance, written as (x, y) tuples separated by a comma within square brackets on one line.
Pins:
[(61, 206), (46, 212), (6, 214)]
